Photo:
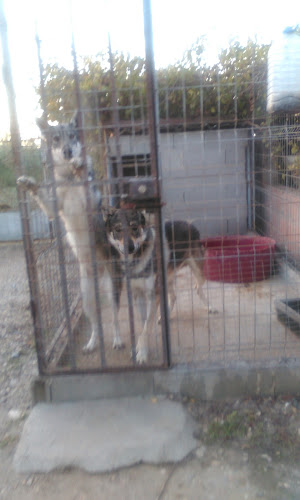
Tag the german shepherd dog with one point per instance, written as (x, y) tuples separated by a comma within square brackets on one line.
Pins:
[(183, 247), (72, 205)]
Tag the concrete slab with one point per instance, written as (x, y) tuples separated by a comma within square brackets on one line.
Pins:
[(100, 436), (208, 382)]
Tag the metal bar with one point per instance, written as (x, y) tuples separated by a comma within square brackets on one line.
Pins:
[(143, 118), (252, 182), (183, 90), (167, 108), (60, 249), (88, 206), (60, 335), (152, 110), (108, 369), (248, 186), (116, 121), (235, 100), (22, 199), (218, 99)]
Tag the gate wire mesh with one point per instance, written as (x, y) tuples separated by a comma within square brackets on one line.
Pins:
[(226, 167)]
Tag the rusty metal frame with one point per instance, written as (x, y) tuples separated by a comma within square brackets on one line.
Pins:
[(64, 336), (59, 233), (152, 115)]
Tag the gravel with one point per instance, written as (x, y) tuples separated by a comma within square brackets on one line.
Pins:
[(247, 448), (17, 355)]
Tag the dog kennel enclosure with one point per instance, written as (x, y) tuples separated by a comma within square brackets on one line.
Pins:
[(195, 143)]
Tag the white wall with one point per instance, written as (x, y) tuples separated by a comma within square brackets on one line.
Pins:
[(204, 177), (11, 227)]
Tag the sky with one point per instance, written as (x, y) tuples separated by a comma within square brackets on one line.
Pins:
[(176, 25)]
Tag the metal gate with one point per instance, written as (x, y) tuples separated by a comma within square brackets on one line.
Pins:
[(59, 276)]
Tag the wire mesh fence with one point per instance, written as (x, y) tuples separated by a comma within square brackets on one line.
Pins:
[(117, 282)]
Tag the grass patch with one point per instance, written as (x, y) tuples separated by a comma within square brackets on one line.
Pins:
[(267, 432), (231, 427), (8, 173), (259, 425), (7, 176), (31, 160), (8, 199)]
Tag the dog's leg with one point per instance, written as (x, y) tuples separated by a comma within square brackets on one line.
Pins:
[(141, 303), (89, 303), (90, 309), (196, 268), (142, 344), (171, 296), (116, 288), (117, 342), (29, 184)]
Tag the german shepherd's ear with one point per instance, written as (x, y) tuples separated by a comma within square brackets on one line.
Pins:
[(107, 213), (75, 119), (142, 218), (42, 124)]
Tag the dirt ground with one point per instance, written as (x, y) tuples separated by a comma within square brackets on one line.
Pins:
[(248, 449)]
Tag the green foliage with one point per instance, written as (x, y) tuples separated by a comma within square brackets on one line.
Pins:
[(283, 148), (31, 161), (232, 426), (95, 84), (244, 69), (7, 175), (231, 91)]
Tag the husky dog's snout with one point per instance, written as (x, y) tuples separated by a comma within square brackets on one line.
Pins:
[(67, 152), (131, 246)]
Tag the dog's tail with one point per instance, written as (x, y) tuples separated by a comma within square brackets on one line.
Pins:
[(183, 238)]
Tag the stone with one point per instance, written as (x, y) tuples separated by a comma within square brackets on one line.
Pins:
[(104, 435)]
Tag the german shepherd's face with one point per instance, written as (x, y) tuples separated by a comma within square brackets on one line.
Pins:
[(65, 146), (125, 226)]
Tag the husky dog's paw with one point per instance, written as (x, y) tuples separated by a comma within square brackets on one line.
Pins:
[(89, 347), (141, 356), (118, 344), (27, 183), (77, 162), (141, 353)]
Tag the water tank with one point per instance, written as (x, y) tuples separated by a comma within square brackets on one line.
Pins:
[(284, 73)]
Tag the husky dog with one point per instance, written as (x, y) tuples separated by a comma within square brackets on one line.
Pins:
[(134, 241), (71, 196)]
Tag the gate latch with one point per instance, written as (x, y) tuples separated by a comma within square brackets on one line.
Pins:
[(142, 188)]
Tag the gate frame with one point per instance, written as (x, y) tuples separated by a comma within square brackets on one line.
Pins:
[(65, 332)]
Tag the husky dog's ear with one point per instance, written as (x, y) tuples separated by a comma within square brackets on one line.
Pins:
[(75, 119), (42, 124)]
